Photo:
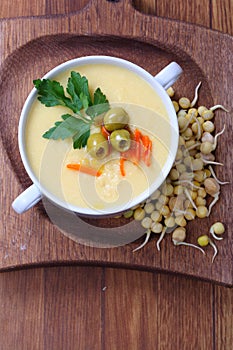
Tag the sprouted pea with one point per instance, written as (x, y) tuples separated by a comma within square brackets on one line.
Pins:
[(148, 233), (194, 101), (211, 162), (215, 177), (204, 241), (216, 137), (213, 108), (170, 91), (213, 189), (207, 114), (176, 106), (128, 214), (178, 238), (179, 235), (214, 201), (208, 126), (190, 245), (161, 237), (197, 144), (139, 214), (211, 186), (185, 193), (206, 136), (217, 229), (184, 102), (180, 182)]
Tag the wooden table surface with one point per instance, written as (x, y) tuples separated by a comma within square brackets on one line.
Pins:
[(88, 308)]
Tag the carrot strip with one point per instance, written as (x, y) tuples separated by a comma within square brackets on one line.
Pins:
[(84, 169), (105, 132), (145, 141), (130, 155), (122, 166), (148, 151), (137, 137)]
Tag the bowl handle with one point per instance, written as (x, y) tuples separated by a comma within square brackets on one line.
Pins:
[(27, 199), (168, 75)]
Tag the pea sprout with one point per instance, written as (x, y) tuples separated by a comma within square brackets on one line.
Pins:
[(193, 146), (181, 197), (215, 177), (186, 191), (215, 249), (176, 243), (214, 201), (161, 238), (194, 101), (217, 107), (211, 162), (217, 135), (204, 241), (217, 229), (187, 124), (215, 237), (148, 233), (180, 182)]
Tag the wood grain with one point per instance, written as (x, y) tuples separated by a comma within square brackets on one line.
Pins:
[(222, 16), (33, 238), (23, 305), (22, 310), (181, 10), (85, 308), (39, 8), (166, 302), (223, 298), (78, 292), (51, 309)]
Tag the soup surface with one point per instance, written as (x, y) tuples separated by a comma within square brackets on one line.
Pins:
[(48, 158)]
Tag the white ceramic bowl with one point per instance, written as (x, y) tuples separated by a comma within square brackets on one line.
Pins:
[(159, 83)]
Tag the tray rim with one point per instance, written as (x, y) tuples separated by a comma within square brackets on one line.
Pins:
[(86, 8)]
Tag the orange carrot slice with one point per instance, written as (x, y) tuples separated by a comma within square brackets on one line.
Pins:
[(84, 169), (122, 166), (145, 141), (137, 137), (148, 152)]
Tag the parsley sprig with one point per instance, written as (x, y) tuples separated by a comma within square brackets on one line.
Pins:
[(78, 99)]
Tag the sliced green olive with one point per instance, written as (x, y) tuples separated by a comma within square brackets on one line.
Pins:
[(120, 140), (116, 118), (97, 146)]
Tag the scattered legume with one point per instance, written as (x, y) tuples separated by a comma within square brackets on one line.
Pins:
[(191, 182)]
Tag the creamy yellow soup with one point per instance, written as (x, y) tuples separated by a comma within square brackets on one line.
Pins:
[(48, 158)]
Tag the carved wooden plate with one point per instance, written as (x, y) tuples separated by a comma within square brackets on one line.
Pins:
[(30, 48)]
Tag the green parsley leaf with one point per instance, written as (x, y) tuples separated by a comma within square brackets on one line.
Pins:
[(100, 105), (78, 85), (69, 127), (95, 110), (80, 139), (51, 93), (99, 97)]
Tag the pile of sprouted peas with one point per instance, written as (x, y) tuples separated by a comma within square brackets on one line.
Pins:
[(192, 188)]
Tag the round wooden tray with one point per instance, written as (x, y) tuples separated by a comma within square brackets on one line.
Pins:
[(31, 46)]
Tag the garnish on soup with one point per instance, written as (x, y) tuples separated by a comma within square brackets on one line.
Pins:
[(114, 133), (51, 93)]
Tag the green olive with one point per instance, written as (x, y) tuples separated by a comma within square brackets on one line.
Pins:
[(120, 140), (115, 118), (97, 146)]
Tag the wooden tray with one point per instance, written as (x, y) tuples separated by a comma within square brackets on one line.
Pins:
[(32, 46)]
